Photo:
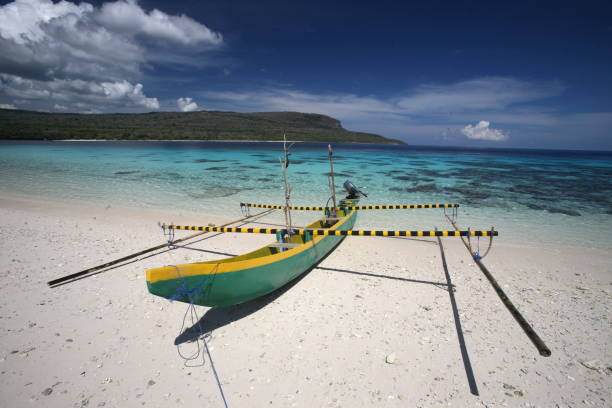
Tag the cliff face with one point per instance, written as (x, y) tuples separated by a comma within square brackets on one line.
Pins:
[(202, 125)]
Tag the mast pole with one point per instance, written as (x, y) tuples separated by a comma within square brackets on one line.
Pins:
[(333, 181), (284, 165)]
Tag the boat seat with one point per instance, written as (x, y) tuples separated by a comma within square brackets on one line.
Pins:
[(284, 245), (332, 218)]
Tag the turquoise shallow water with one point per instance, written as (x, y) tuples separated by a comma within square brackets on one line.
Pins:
[(547, 197)]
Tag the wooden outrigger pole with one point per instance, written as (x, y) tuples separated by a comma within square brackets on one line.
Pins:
[(74, 276), (529, 331)]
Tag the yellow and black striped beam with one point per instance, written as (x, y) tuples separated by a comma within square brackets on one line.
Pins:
[(364, 233), (362, 207)]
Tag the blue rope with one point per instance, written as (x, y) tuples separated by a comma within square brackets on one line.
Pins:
[(184, 292), (181, 292), (169, 234), (476, 254)]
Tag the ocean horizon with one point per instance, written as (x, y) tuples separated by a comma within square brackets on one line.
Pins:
[(558, 197)]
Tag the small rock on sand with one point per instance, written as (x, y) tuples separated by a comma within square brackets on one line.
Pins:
[(390, 358)]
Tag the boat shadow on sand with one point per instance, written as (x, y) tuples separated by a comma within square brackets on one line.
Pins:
[(217, 317), (221, 316)]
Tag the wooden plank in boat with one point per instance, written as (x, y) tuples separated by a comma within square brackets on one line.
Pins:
[(284, 245)]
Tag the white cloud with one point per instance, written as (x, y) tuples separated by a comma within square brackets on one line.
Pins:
[(482, 131), (505, 97), (343, 106), (128, 17), (486, 93), (80, 93), (186, 104), (99, 51), (121, 90), (7, 106), (42, 40), (59, 107), (426, 111), (24, 21)]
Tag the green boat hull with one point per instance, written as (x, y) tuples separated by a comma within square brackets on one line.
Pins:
[(230, 288)]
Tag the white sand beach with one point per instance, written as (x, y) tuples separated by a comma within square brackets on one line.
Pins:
[(373, 325)]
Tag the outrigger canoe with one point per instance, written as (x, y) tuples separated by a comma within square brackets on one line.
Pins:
[(238, 279)]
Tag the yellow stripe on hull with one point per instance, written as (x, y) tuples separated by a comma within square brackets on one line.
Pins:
[(250, 260)]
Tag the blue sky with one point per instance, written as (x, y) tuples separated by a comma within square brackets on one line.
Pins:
[(533, 75)]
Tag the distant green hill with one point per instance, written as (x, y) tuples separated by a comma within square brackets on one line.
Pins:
[(202, 125)]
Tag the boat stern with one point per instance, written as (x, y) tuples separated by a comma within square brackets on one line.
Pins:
[(174, 283)]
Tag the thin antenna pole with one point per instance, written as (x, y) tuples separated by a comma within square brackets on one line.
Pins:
[(285, 164), (333, 181)]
